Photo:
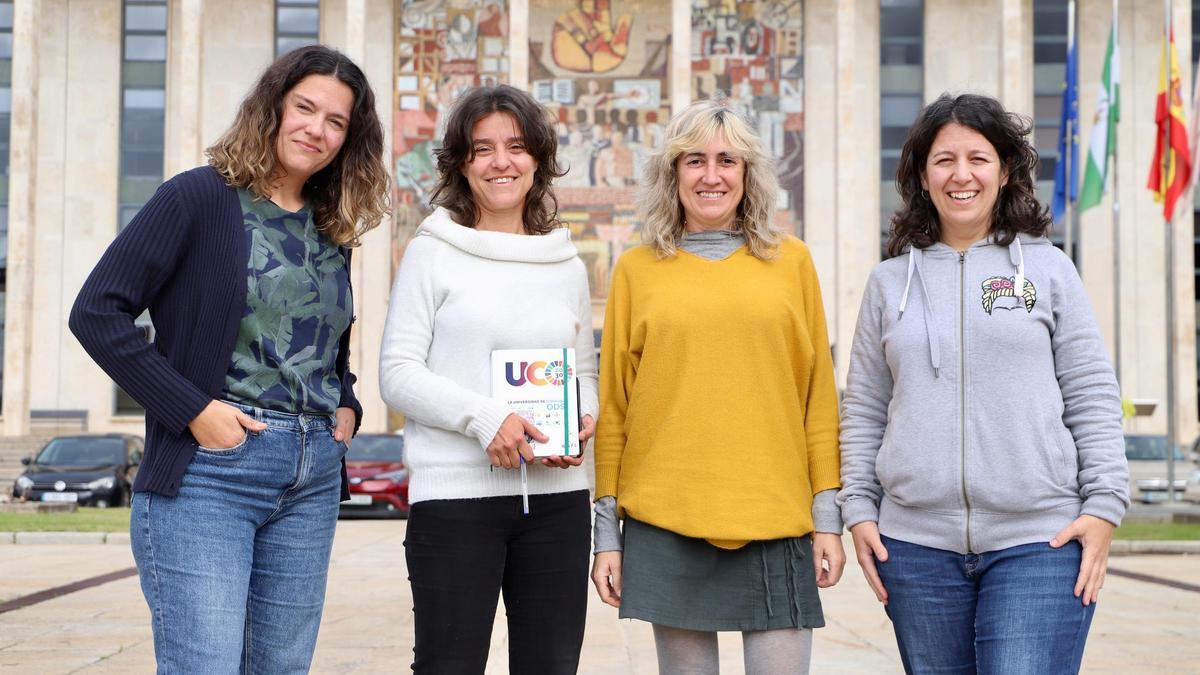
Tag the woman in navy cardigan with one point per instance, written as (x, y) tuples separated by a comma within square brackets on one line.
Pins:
[(244, 266)]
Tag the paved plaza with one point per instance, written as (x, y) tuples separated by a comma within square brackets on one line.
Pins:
[(1141, 626)]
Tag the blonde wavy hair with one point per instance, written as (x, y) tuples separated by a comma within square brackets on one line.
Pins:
[(691, 131), (351, 195)]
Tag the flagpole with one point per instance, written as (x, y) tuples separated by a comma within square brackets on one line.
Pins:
[(1068, 224), (1170, 240), (1116, 213)]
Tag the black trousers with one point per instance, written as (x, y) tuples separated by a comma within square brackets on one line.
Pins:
[(462, 553)]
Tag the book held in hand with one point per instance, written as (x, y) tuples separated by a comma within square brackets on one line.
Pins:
[(541, 386)]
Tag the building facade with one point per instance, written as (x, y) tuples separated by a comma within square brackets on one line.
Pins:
[(104, 98)]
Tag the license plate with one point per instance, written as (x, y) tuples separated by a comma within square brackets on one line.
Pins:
[(360, 500), (60, 497)]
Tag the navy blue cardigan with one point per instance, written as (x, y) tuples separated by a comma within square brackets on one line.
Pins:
[(183, 257)]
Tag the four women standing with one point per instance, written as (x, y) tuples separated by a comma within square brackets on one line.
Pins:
[(985, 533)]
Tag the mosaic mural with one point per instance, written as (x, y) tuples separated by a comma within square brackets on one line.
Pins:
[(443, 47), (751, 51), (601, 67)]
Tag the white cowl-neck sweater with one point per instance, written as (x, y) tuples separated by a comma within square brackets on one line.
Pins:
[(460, 294)]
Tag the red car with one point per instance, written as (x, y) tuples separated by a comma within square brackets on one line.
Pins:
[(378, 476)]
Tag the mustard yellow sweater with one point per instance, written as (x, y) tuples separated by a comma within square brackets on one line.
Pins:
[(718, 409)]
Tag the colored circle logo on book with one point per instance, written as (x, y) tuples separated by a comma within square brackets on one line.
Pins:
[(554, 372)]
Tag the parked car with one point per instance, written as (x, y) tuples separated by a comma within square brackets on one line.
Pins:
[(1147, 455), (86, 469), (378, 476)]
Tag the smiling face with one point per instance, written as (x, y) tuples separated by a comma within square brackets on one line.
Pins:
[(316, 118), (500, 170), (711, 184), (963, 176)]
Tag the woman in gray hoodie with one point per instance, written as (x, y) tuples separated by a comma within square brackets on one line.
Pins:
[(983, 465)]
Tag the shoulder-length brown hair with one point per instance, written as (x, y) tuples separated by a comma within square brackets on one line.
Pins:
[(453, 192), (1016, 211), (350, 195)]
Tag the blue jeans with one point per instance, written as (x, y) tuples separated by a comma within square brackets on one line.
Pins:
[(234, 566), (1007, 612)]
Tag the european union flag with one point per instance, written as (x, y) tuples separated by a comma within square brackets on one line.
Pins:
[(1068, 139)]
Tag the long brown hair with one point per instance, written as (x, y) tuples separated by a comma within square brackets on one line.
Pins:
[(350, 195)]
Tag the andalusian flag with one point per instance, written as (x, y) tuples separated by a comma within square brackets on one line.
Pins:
[(1172, 165), (1103, 143)]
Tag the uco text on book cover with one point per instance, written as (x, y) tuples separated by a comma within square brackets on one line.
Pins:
[(540, 385)]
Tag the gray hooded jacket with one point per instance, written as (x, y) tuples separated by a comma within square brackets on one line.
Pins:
[(977, 416)]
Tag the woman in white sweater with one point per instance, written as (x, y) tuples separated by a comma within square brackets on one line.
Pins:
[(491, 268)]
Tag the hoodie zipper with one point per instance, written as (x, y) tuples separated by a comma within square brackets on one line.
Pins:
[(962, 382)]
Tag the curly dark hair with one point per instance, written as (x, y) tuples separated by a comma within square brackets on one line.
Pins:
[(453, 192), (1017, 209)]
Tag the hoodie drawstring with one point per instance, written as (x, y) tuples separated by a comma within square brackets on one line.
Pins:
[(915, 264), (1017, 258)]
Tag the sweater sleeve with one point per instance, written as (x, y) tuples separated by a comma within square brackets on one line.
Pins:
[(126, 280), (1091, 400), (405, 380), (864, 411), (617, 373), (821, 408)]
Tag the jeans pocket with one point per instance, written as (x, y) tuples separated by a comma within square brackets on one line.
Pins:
[(225, 451), (343, 446)]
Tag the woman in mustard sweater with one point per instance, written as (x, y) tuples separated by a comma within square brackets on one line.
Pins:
[(717, 442)]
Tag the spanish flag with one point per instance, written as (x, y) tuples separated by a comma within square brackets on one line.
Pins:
[(1172, 165)]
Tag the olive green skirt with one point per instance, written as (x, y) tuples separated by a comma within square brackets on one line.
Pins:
[(678, 581)]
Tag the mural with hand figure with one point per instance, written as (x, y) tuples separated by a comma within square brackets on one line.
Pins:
[(585, 39)]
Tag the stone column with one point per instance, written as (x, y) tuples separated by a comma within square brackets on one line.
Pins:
[(856, 160), (18, 308), (237, 42), (681, 55), (183, 146), (959, 57), (1016, 55), (518, 44), (370, 45), (820, 154)]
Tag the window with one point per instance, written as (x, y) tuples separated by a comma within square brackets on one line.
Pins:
[(1049, 72), (143, 98), (143, 104), (901, 93), (297, 23)]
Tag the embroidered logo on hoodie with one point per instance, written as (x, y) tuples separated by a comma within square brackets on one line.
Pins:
[(998, 290)]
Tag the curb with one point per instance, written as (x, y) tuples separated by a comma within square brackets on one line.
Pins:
[(1122, 547), (61, 538)]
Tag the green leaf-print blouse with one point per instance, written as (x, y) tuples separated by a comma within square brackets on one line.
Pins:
[(297, 307)]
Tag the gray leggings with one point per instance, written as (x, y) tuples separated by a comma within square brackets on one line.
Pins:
[(786, 651)]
